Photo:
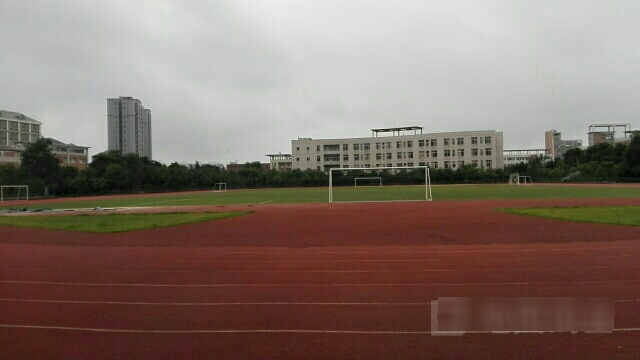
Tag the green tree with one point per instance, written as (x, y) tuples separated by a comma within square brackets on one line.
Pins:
[(632, 156), (38, 161)]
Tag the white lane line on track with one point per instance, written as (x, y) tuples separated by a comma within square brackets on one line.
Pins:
[(84, 302), (391, 260), (215, 304), (422, 252), (564, 259), (321, 285), (308, 261), (502, 269), (275, 331)]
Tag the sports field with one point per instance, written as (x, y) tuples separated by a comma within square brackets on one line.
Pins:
[(301, 278), (321, 195)]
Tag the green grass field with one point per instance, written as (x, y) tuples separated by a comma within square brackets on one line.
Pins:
[(620, 215), (112, 223), (321, 195)]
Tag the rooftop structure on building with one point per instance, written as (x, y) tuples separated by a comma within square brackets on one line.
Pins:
[(280, 161), (609, 133)]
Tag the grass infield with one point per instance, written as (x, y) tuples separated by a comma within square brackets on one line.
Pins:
[(321, 195), (112, 223), (619, 215)]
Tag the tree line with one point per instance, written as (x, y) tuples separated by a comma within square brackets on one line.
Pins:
[(112, 173), (603, 162)]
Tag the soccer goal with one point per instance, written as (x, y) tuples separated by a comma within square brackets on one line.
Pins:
[(368, 181), (517, 179), (220, 187), (14, 192), (408, 183)]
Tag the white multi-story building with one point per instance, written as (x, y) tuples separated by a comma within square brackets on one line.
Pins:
[(16, 130), (129, 126), (439, 150), (517, 156)]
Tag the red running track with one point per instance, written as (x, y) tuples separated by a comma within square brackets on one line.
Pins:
[(342, 281)]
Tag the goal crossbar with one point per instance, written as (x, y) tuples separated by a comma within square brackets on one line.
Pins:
[(525, 180), (220, 187), (20, 188), (428, 196)]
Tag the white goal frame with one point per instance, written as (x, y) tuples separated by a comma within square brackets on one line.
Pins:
[(19, 187), (220, 187), (525, 180), (355, 181), (517, 179), (428, 196)]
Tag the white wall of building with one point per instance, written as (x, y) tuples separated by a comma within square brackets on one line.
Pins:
[(439, 150)]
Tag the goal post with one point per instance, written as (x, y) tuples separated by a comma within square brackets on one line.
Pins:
[(398, 183), (220, 187), (514, 179), (373, 181), (14, 192), (525, 180), (517, 179)]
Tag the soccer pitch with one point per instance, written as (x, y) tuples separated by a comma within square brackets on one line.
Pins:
[(321, 195)]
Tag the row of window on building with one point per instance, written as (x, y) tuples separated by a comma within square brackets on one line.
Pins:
[(19, 126), (401, 144), (518, 158), (433, 165), (14, 136), (403, 155)]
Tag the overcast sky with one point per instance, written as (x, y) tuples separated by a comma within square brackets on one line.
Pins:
[(234, 80)]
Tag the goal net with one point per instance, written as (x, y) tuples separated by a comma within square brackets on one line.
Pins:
[(367, 181), (517, 179), (14, 192), (411, 183), (218, 187)]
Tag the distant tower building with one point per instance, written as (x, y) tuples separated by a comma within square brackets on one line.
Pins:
[(129, 126), (556, 146)]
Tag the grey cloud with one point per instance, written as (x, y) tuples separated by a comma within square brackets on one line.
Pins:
[(233, 80)]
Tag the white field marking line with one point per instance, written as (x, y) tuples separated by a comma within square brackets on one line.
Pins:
[(424, 252), (265, 202), (214, 304), (388, 260), (161, 202), (279, 331), (266, 285), (492, 259), (325, 271), (82, 302), (307, 261), (93, 209), (413, 260)]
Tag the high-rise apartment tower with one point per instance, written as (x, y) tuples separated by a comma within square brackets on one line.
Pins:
[(129, 126)]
